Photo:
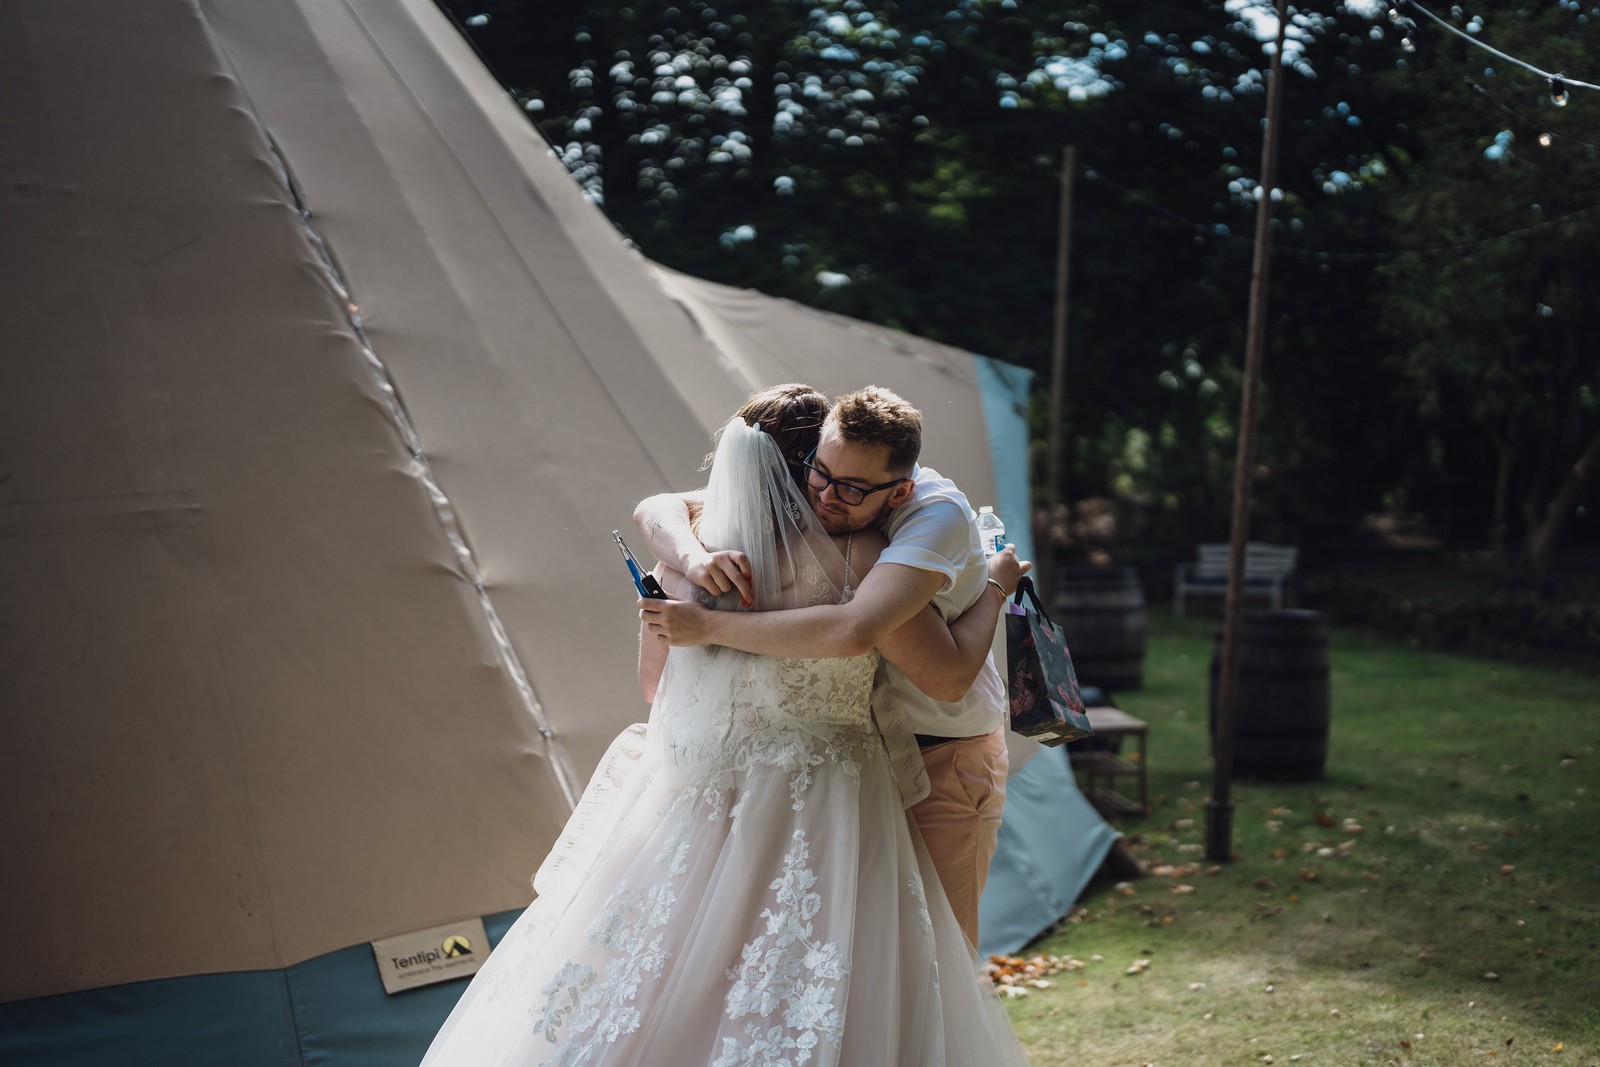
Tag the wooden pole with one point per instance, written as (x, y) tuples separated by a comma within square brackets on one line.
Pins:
[(1219, 813), (1058, 360)]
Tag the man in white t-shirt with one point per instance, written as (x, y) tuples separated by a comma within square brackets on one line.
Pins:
[(864, 472)]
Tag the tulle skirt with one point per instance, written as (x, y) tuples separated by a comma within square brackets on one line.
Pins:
[(768, 918)]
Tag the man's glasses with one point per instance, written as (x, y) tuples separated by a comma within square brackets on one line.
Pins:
[(847, 493)]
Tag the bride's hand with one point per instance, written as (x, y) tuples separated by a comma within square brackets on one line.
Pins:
[(723, 572), (676, 622)]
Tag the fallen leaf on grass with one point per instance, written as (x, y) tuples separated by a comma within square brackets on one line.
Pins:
[(1490, 976), (1137, 966), (1168, 870), (1180, 888)]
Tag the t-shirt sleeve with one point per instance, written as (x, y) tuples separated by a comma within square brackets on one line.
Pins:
[(936, 537)]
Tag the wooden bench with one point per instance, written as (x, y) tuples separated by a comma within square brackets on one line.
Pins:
[(1101, 767), (1267, 569)]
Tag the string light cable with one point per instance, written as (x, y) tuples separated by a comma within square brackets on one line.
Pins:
[(1545, 135), (1558, 81)]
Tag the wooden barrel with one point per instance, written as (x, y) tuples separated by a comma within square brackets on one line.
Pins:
[(1281, 721), (1101, 610)]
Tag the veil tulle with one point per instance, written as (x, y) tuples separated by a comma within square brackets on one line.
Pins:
[(752, 505)]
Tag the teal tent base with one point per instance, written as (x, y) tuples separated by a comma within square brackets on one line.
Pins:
[(328, 1010), (1051, 843)]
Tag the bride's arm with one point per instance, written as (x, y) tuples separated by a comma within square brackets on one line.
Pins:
[(652, 649), (943, 660), (663, 519)]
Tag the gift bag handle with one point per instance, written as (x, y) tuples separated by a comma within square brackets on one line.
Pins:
[(1025, 586)]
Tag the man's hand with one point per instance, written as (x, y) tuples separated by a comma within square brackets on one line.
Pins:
[(723, 572), (676, 622), (1007, 569)]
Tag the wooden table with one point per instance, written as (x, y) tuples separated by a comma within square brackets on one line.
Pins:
[(1102, 767)]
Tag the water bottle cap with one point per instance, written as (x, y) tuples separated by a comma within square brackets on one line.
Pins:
[(986, 510)]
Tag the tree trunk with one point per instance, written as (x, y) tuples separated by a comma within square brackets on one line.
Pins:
[(1502, 500), (1542, 537)]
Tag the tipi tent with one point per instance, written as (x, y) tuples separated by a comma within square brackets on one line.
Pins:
[(321, 389)]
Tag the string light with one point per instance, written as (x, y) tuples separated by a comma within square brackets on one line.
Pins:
[(1557, 81), (1516, 117), (1545, 139)]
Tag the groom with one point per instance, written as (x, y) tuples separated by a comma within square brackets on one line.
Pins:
[(863, 473)]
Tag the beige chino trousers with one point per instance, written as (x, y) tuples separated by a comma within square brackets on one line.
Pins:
[(960, 817)]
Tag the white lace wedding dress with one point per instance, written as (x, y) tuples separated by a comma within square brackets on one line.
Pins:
[(740, 885)]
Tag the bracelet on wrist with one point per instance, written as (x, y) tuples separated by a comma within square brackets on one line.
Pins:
[(999, 589)]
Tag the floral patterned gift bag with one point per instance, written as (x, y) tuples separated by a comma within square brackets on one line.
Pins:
[(1045, 702)]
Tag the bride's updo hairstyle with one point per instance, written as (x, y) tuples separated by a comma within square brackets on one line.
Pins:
[(792, 416)]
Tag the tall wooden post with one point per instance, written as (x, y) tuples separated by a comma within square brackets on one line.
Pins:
[(1058, 361), (1219, 813)]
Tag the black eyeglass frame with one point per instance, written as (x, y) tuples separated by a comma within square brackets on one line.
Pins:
[(843, 490)]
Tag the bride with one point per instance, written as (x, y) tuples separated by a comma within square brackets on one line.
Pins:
[(740, 884)]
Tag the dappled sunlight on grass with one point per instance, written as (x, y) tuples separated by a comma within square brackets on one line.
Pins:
[(1435, 896)]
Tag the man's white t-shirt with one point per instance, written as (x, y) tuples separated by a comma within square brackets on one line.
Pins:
[(934, 531)]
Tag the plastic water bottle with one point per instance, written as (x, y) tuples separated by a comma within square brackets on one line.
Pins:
[(991, 531)]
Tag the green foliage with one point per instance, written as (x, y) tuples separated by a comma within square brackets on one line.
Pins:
[(1497, 347), (1453, 837), (899, 160)]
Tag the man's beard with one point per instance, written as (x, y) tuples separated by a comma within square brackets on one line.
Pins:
[(848, 520)]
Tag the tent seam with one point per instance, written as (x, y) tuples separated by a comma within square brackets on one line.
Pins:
[(565, 773), (533, 279)]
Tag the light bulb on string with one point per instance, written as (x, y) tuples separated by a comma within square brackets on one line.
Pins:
[(1407, 44), (1546, 139), (1558, 91)]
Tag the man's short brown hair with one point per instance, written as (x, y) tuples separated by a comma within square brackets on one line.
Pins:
[(877, 416)]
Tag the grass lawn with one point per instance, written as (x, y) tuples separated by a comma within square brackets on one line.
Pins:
[(1434, 900)]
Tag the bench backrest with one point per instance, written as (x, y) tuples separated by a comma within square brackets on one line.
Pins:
[(1261, 560)]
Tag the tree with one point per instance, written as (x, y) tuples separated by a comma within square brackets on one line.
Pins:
[(1499, 332)]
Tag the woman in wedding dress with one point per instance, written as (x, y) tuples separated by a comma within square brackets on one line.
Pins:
[(740, 884)]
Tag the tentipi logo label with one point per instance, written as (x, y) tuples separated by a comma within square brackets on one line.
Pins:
[(424, 957)]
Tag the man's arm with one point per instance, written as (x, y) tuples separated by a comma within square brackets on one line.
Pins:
[(653, 650), (887, 598), (663, 519), (944, 660)]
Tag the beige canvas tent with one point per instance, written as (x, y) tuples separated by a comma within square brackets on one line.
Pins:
[(321, 389)]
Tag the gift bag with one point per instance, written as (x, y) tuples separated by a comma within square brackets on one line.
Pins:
[(1045, 702)]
